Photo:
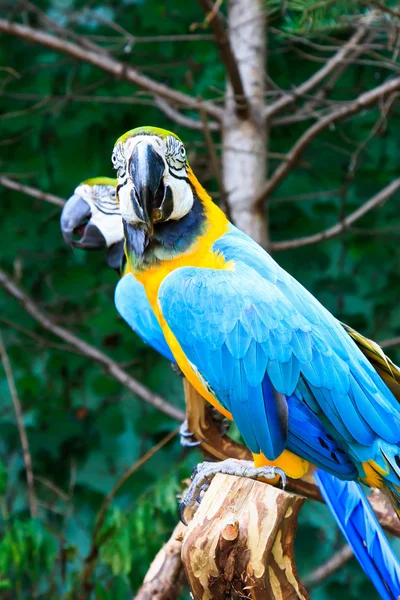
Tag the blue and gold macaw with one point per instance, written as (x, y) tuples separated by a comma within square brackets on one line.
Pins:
[(246, 334), (102, 229)]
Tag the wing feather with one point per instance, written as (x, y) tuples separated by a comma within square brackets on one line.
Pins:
[(132, 304)]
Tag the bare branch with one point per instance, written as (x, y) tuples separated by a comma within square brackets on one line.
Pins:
[(166, 576), (21, 427), (181, 119), (227, 57), (355, 106), (107, 63), (90, 351), (332, 565), (30, 191), (378, 200), (390, 342), (352, 46), (215, 164)]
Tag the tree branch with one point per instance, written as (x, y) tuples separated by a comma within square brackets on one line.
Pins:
[(30, 191), (378, 200), (181, 119), (107, 63), (166, 576), (227, 57), (84, 348), (215, 163), (355, 106), (352, 46), (332, 565), (21, 427), (390, 342)]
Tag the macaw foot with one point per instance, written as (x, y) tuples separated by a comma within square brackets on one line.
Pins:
[(221, 422), (203, 474), (187, 438)]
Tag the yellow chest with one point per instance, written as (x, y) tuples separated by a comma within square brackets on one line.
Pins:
[(200, 255)]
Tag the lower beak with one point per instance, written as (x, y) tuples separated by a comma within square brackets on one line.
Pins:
[(146, 168), (75, 220)]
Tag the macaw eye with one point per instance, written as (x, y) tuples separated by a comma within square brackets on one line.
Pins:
[(183, 152)]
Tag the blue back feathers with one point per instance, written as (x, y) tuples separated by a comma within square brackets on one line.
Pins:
[(255, 327)]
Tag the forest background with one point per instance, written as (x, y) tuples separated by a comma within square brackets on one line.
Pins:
[(60, 115)]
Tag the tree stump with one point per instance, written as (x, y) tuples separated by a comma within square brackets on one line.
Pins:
[(239, 545)]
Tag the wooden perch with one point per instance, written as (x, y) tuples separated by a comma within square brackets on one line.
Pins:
[(240, 543), (165, 578)]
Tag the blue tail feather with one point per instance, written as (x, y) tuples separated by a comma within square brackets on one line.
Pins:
[(360, 527)]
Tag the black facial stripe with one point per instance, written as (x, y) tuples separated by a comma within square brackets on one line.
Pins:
[(167, 205), (120, 186), (112, 214), (178, 177), (112, 205)]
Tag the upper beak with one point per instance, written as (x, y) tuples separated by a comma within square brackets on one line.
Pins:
[(75, 219), (146, 169)]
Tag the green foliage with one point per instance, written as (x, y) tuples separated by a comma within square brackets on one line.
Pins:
[(84, 429)]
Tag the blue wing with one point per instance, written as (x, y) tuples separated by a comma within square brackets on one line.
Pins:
[(253, 329), (222, 320), (357, 521), (337, 379), (307, 437), (132, 304)]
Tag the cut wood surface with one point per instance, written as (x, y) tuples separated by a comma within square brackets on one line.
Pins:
[(239, 544)]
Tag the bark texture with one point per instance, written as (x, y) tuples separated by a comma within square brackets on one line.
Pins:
[(239, 544), (245, 137)]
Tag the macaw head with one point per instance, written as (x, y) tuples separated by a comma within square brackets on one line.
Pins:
[(91, 219), (154, 179)]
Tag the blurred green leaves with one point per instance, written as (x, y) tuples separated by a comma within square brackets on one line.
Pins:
[(84, 429)]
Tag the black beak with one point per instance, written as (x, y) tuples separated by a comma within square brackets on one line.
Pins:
[(146, 169), (75, 220)]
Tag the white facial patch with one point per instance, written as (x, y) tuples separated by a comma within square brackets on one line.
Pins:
[(172, 152), (105, 211), (182, 195)]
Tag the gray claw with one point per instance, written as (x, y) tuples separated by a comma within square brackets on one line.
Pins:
[(187, 444), (185, 436), (182, 508), (221, 422), (203, 474), (203, 488), (194, 472)]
